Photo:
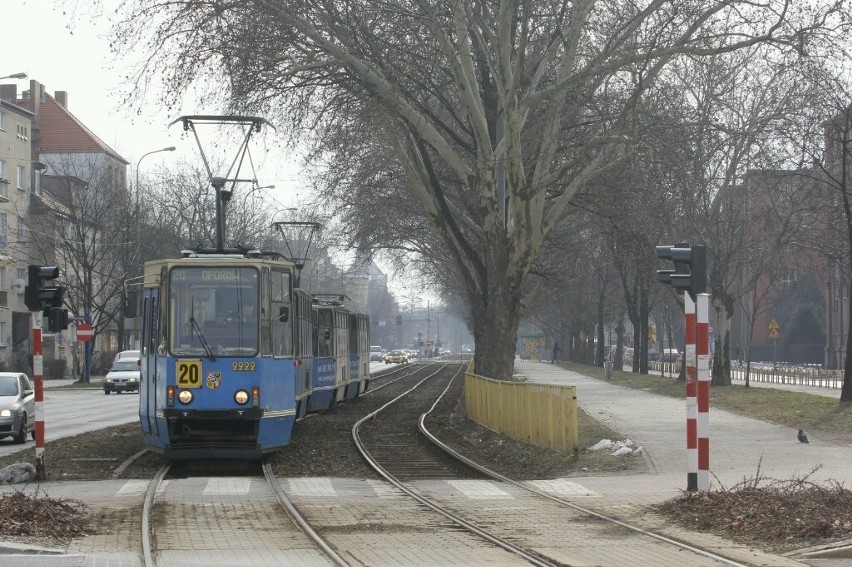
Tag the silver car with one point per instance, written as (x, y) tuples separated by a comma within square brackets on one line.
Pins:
[(17, 406), (123, 376)]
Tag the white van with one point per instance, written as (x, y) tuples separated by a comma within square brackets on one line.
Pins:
[(133, 355), (377, 354)]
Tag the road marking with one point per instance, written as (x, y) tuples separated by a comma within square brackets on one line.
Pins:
[(227, 487), (311, 487), (562, 487), (479, 489)]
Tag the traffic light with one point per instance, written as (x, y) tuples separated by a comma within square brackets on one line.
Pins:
[(57, 319), (690, 273), (39, 297)]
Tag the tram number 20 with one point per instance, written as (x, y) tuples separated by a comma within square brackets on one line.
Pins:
[(189, 373)]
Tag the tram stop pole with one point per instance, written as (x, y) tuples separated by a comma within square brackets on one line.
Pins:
[(38, 376)]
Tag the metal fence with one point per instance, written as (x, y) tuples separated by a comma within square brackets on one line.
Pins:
[(541, 414), (792, 375)]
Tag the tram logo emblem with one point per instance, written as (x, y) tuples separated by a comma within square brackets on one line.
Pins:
[(214, 380)]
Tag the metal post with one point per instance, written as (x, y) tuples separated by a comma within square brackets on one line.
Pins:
[(691, 361), (702, 349), (87, 361), (38, 375)]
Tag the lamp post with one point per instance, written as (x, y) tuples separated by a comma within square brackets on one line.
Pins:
[(15, 76), (253, 189), (139, 219)]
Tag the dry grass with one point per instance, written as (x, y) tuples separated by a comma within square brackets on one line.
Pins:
[(776, 514), (828, 417)]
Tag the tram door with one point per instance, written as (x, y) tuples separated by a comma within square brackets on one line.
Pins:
[(149, 355)]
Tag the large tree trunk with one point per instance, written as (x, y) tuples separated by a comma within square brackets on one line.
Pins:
[(644, 310), (846, 389), (721, 368), (495, 329)]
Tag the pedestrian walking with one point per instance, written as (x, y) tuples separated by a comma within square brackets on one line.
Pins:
[(555, 358)]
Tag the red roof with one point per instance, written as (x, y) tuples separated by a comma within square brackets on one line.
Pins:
[(62, 132)]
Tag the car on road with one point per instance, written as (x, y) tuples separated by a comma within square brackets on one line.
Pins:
[(377, 354), (17, 406), (123, 376), (396, 357), (127, 355), (670, 355)]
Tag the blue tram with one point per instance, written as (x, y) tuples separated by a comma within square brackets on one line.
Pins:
[(233, 355)]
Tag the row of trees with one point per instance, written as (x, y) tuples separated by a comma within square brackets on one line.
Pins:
[(100, 233), (514, 146)]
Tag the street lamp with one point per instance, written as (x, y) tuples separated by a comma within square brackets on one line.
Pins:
[(169, 149), (139, 215), (253, 189), (15, 76)]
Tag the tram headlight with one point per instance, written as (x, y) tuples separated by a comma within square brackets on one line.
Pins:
[(170, 396), (185, 396), (255, 396), (241, 397)]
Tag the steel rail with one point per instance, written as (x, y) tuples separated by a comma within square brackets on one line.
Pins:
[(298, 519), (497, 476), (458, 520), (148, 555)]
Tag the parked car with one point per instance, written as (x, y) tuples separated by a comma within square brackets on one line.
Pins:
[(670, 355), (123, 377), (377, 354), (396, 357), (17, 406), (127, 355)]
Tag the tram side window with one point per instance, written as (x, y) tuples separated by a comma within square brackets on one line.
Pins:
[(282, 311), (324, 333)]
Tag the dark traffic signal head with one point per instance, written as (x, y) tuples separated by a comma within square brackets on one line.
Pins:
[(57, 319), (690, 273), (39, 297)]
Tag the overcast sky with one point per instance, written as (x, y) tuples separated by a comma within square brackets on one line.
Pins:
[(73, 55)]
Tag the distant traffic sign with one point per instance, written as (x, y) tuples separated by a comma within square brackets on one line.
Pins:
[(85, 332), (774, 327)]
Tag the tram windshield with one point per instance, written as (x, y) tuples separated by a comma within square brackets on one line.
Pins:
[(213, 311)]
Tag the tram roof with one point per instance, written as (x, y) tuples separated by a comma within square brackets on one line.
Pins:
[(154, 267)]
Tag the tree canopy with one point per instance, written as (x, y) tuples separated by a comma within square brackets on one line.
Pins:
[(491, 115)]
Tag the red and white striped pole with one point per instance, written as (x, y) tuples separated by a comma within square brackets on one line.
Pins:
[(691, 362), (702, 348), (38, 376)]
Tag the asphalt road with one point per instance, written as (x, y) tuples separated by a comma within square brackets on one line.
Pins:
[(69, 412)]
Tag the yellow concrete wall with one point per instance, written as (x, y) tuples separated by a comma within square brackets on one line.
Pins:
[(541, 414)]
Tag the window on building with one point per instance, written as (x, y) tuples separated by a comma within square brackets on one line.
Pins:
[(4, 284), (2, 120), (3, 337), (4, 183), (22, 276), (4, 240), (21, 175), (22, 230)]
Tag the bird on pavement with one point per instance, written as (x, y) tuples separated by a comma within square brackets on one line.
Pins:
[(802, 437)]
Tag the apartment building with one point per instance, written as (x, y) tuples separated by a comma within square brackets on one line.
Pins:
[(55, 157), (16, 183)]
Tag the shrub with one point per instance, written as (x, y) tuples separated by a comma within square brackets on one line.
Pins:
[(55, 369)]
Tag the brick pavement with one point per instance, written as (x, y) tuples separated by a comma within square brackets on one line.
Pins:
[(738, 446)]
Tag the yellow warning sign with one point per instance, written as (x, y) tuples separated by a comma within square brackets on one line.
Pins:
[(774, 327)]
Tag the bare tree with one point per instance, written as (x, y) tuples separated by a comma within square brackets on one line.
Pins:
[(84, 224), (488, 108), (827, 145)]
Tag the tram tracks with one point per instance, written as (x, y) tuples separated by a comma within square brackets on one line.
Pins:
[(528, 523)]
